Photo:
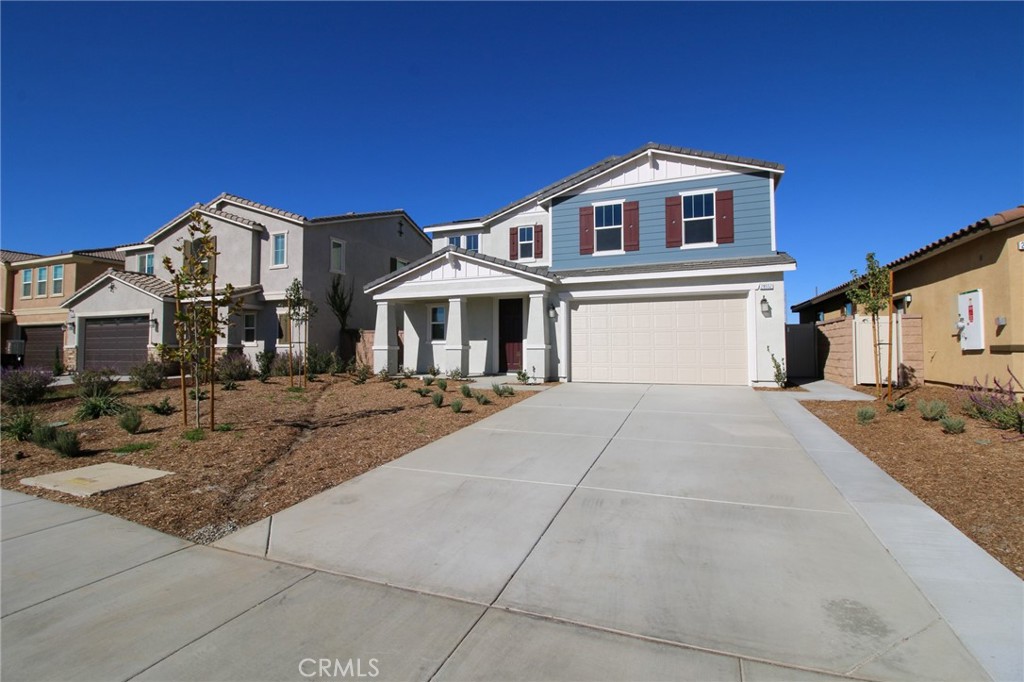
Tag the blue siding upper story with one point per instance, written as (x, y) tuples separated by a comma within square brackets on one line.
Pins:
[(751, 214)]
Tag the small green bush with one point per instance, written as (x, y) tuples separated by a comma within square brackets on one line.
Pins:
[(503, 390), (466, 391), (129, 448), (442, 384), (130, 420), (194, 435), (223, 428), (198, 394), (899, 405), (437, 399), (482, 399), (428, 381), (163, 407), (58, 362), (455, 374), (932, 410), (953, 425), (229, 385), (361, 374), (95, 383), (433, 371), (398, 383), (94, 407), (406, 372), (19, 425), (383, 375), (523, 377), (456, 406), (44, 435), (318, 361), (865, 415), (234, 367), (24, 386), (265, 364), (279, 367), (779, 370), (66, 444), (148, 376), (422, 392)]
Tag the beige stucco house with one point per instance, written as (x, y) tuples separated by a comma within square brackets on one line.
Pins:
[(958, 309)]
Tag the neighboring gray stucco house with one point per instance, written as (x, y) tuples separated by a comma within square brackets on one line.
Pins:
[(659, 265), (117, 319)]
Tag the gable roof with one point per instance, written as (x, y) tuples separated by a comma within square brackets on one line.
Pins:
[(205, 210), (106, 253), (571, 181), (14, 256), (992, 222), (541, 272), (148, 284), (242, 201)]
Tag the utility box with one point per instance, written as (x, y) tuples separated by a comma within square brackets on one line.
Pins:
[(972, 320)]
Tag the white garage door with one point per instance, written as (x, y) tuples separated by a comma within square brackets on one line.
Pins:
[(682, 341)]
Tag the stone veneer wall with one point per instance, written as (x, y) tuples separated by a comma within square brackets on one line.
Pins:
[(835, 350), (912, 368)]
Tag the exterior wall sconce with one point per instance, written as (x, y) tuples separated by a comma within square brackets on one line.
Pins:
[(766, 308), (69, 326), (154, 323), (551, 310)]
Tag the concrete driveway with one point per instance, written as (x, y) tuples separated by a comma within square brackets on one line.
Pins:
[(591, 532)]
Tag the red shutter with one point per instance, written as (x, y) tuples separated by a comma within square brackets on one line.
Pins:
[(723, 216), (538, 241), (586, 230), (673, 222), (631, 226), (513, 243)]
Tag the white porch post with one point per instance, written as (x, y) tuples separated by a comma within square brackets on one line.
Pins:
[(385, 339), (562, 339), (537, 347), (412, 337), (456, 349)]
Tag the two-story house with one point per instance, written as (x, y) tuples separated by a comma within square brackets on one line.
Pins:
[(659, 265), (34, 288), (118, 319)]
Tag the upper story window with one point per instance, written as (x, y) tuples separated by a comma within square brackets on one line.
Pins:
[(608, 227), (698, 219), (455, 241), (526, 242), (279, 250), (437, 323), (40, 281), (57, 285), (338, 256), (396, 264), (146, 263), (472, 242), (249, 328), (26, 283)]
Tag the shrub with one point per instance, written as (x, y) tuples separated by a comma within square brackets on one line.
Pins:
[(130, 420), (482, 399), (952, 424), (383, 375), (503, 390), (318, 361), (437, 399), (422, 392), (66, 444), (194, 435), (523, 377), (433, 371), (148, 376), (224, 428), (442, 384), (95, 383), (998, 405), (455, 375), (94, 407), (899, 405), (361, 374), (229, 385), (279, 367), (20, 424), (265, 364), (428, 381), (780, 370), (58, 362), (44, 435), (932, 410), (163, 407), (406, 372), (456, 406), (234, 367), (865, 415), (198, 394), (466, 391), (398, 383), (24, 386)]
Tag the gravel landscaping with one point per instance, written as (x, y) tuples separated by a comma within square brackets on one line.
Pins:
[(275, 447)]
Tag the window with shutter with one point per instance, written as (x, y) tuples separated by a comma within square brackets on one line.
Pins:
[(631, 226), (538, 241), (586, 230)]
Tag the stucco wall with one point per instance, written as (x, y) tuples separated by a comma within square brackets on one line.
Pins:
[(835, 350)]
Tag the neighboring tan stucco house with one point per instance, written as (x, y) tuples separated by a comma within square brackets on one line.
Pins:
[(656, 266), (34, 287), (119, 318), (959, 303)]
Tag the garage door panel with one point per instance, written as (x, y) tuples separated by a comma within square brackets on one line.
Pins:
[(695, 341), (41, 345), (118, 343)]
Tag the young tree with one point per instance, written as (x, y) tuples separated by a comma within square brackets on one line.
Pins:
[(871, 293), (339, 298), (300, 310), (198, 317)]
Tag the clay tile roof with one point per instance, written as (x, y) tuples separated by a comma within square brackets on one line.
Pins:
[(15, 256), (106, 252), (236, 218), (150, 283), (247, 202), (355, 216)]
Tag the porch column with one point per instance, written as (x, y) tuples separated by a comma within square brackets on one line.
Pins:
[(456, 348), (385, 339), (412, 336), (535, 360)]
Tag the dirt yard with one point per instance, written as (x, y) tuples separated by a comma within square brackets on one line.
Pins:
[(974, 479), (282, 447)]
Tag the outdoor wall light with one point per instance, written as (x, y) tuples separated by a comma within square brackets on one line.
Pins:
[(551, 310), (154, 323), (907, 299), (69, 326), (766, 308)]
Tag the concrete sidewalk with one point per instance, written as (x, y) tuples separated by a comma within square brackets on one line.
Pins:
[(590, 532)]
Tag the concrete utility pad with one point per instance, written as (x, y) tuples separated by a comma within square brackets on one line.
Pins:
[(810, 589), (441, 533), (403, 635), (509, 646), (36, 515), (94, 479), (116, 628)]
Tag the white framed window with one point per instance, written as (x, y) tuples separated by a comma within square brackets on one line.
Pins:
[(57, 282), (455, 241), (26, 283), (699, 219), (40, 282), (396, 264), (249, 327), (338, 253), (279, 250), (608, 227), (526, 242), (146, 263), (437, 319), (472, 242)]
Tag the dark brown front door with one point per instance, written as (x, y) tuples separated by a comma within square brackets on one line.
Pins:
[(41, 345), (117, 343), (510, 334)]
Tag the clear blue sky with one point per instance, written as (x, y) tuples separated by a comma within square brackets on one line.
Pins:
[(897, 123)]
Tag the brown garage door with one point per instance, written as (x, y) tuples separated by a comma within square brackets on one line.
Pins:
[(117, 343), (40, 345)]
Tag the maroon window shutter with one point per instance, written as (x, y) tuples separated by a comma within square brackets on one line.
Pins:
[(538, 241), (586, 230), (513, 243), (673, 222), (631, 226), (723, 216)]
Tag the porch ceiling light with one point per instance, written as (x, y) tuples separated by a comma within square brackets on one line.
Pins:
[(766, 308)]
